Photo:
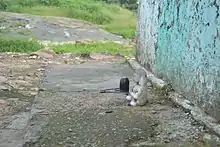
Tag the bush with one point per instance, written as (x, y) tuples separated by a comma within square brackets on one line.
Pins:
[(50, 2), (4, 4), (18, 45), (27, 3)]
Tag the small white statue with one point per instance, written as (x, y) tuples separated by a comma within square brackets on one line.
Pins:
[(138, 96)]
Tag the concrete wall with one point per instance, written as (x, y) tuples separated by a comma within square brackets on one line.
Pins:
[(179, 40)]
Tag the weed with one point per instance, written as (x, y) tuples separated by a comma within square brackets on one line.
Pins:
[(18, 45)]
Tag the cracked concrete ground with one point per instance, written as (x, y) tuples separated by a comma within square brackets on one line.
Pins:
[(71, 112)]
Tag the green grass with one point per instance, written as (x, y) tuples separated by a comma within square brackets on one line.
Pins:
[(94, 47), (108, 16), (18, 45), (23, 45)]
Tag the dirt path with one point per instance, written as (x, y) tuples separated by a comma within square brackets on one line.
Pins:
[(56, 29)]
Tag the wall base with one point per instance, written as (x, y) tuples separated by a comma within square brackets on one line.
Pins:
[(195, 111)]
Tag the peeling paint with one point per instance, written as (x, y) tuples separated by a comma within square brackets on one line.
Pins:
[(179, 40)]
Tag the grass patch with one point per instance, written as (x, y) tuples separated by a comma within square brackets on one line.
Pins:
[(24, 45), (18, 45), (94, 47), (109, 16)]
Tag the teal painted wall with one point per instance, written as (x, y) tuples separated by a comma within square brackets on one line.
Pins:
[(179, 41)]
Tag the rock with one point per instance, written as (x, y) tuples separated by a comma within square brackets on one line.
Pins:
[(21, 77), (153, 112), (4, 88), (66, 34), (42, 89), (27, 26), (109, 111), (44, 53), (207, 137), (3, 79), (51, 32), (34, 89), (40, 69), (3, 103), (27, 109), (129, 98), (33, 56), (2, 28), (33, 93), (133, 103)]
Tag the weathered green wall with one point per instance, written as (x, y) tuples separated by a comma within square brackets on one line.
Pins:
[(179, 40)]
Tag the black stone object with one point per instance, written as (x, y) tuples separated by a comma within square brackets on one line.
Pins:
[(124, 84)]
